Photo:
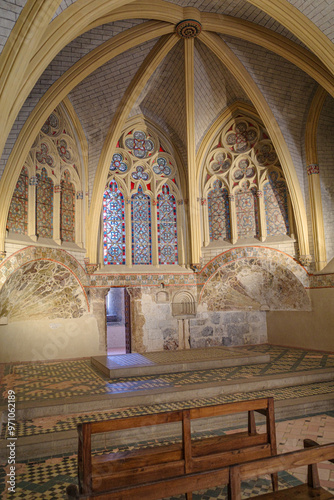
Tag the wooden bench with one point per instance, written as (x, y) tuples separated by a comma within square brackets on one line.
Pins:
[(310, 456), (165, 470)]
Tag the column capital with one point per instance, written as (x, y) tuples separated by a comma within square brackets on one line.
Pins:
[(312, 168)]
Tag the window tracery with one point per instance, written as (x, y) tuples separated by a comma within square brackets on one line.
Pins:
[(240, 166), (147, 176), (54, 180)]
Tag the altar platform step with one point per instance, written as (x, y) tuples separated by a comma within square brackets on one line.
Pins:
[(156, 363)]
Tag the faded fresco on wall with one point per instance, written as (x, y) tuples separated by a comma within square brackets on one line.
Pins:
[(252, 284), (42, 289)]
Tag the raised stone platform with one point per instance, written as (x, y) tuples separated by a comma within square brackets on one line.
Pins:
[(154, 363)]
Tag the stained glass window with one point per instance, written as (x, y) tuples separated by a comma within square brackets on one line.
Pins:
[(141, 228), (113, 225), (247, 213), (219, 213), (139, 144), (44, 205), (167, 228), (67, 209), (18, 212), (276, 205)]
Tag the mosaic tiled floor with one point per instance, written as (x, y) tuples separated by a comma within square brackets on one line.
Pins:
[(67, 379), (60, 423), (48, 479)]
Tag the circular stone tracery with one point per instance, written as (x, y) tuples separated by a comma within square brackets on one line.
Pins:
[(189, 28)]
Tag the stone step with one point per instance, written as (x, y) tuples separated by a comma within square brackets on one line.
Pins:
[(167, 394), (157, 363)]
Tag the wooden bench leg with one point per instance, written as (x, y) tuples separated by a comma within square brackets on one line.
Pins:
[(274, 481), (189, 496)]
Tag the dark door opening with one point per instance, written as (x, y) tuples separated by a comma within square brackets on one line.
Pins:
[(118, 321)]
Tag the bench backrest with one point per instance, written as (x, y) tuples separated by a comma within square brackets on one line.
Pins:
[(194, 456), (309, 456)]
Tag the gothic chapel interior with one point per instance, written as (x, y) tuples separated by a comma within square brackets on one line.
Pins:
[(179, 150)]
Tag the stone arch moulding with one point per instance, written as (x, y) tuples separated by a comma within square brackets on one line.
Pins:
[(32, 253), (257, 266)]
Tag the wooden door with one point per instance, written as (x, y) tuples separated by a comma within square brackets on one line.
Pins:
[(127, 314)]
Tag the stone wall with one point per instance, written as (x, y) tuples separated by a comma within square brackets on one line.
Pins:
[(228, 328)]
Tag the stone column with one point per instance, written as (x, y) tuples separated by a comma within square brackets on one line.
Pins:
[(32, 207), (313, 176), (56, 213), (262, 216), (154, 233), (233, 219), (98, 307), (128, 233), (78, 218)]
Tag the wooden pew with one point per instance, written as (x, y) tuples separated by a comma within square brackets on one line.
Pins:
[(160, 471), (310, 456)]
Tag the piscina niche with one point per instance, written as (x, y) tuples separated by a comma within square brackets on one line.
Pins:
[(254, 284)]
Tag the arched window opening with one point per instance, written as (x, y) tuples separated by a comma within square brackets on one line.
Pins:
[(18, 211), (44, 205), (276, 205), (113, 225), (219, 213), (67, 209), (141, 228), (167, 227)]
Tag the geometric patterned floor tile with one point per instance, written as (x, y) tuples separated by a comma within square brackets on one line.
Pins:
[(68, 379)]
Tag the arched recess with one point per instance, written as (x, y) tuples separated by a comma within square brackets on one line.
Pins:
[(227, 167), (84, 15), (254, 279), (56, 94), (254, 252), (154, 167), (228, 58), (32, 253), (56, 181), (41, 289)]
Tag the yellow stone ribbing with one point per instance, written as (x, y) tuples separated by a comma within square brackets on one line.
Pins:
[(318, 230)]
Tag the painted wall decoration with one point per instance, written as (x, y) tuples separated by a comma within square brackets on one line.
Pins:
[(219, 213), (53, 168), (42, 289), (67, 209), (252, 284), (113, 225), (44, 205), (244, 163), (276, 205), (18, 212)]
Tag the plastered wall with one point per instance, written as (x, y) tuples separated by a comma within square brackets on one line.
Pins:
[(309, 329), (45, 339)]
